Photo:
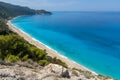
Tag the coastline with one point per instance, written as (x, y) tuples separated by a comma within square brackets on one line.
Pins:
[(50, 51)]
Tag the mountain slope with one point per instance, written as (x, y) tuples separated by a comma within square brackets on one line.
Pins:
[(8, 10)]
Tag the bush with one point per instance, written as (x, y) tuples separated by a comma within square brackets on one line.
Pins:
[(43, 62), (25, 57), (58, 61), (14, 48), (11, 58), (0, 54)]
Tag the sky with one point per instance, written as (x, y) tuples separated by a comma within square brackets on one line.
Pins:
[(69, 5)]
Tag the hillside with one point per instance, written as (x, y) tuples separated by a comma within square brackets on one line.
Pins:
[(8, 10)]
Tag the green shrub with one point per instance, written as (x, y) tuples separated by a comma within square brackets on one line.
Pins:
[(0, 54), (25, 57), (14, 48), (58, 61), (43, 62), (11, 58)]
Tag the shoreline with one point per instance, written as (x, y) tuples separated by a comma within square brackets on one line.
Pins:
[(51, 52)]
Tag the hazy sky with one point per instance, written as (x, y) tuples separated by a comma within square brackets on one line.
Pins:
[(70, 5)]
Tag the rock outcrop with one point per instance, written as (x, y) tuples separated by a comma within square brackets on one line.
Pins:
[(49, 72)]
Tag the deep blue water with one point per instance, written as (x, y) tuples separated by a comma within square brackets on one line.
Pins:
[(88, 38)]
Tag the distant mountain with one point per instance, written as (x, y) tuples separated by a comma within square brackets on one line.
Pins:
[(8, 10), (43, 12)]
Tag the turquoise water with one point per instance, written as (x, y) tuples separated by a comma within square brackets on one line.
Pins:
[(88, 38)]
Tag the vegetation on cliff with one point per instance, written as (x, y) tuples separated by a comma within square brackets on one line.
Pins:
[(14, 48), (4, 29), (8, 11)]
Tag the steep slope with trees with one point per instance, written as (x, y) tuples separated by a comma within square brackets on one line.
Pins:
[(8, 10)]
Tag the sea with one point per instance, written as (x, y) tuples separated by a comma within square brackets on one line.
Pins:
[(91, 39)]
